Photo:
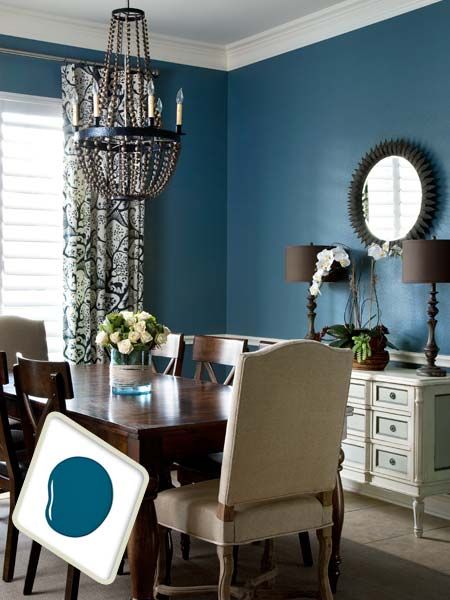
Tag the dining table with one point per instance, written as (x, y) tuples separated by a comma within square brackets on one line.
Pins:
[(181, 418)]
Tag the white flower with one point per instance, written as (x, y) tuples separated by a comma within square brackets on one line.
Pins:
[(396, 250), (341, 256), (325, 259), (115, 337), (161, 339), (102, 338), (166, 330), (125, 347), (318, 275), (386, 247), (126, 314), (345, 262), (376, 252), (134, 336), (130, 321), (143, 316), (146, 338), (314, 290), (140, 326)]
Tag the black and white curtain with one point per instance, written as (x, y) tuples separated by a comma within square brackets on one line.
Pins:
[(103, 240)]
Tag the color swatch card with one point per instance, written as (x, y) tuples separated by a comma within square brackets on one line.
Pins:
[(80, 498)]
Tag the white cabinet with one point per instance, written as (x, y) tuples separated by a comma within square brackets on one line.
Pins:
[(398, 437)]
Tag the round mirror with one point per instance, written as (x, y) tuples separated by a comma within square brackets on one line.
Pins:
[(392, 196)]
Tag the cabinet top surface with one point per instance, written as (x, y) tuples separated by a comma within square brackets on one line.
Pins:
[(400, 375)]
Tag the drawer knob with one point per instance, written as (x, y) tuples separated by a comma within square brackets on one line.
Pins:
[(392, 462), (393, 428), (392, 395)]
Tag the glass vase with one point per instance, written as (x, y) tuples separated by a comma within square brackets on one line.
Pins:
[(130, 374)]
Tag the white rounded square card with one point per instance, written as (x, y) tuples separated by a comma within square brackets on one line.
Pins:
[(80, 498)]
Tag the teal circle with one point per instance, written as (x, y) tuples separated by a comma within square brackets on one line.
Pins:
[(80, 496)]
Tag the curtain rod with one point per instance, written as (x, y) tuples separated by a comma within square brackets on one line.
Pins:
[(52, 57)]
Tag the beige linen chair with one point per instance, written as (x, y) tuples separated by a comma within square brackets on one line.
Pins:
[(279, 462), (22, 335)]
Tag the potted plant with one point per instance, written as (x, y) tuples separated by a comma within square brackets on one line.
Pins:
[(130, 336), (363, 330)]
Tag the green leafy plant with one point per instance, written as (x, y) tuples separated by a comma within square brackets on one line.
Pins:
[(361, 347)]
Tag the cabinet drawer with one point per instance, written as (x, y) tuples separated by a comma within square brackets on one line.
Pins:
[(391, 428), (398, 398), (357, 423), (357, 393), (355, 454), (391, 462)]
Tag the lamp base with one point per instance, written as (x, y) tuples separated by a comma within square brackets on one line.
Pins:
[(431, 371)]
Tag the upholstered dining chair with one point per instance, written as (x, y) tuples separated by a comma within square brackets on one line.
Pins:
[(270, 485), (173, 350), (26, 336), (50, 381), (12, 471)]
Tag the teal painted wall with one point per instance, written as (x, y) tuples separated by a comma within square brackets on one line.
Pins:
[(185, 228), (298, 125)]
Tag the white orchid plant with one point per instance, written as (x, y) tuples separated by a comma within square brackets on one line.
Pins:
[(127, 331), (325, 260), (377, 251)]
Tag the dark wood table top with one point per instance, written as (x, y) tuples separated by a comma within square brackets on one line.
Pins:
[(175, 402)]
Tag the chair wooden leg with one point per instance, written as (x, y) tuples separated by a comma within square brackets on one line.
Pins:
[(164, 565), (325, 545), (12, 537), (185, 546), (72, 583), (33, 562), (225, 554), (305, 546)]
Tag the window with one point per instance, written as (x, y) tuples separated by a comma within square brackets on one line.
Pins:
[(31, 217)]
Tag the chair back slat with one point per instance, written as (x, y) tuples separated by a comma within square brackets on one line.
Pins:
[(51, 381), (24, 336), (211, 350), (7, 450), (173, 349), (285, 426)]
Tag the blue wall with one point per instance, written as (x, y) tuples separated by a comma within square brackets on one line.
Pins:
[(185, 229), (298, 125)]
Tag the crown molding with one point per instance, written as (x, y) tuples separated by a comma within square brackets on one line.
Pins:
[(324, 24), (93, 36)]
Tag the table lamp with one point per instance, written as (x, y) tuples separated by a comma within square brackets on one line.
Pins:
[(428, 261), (300, 267)]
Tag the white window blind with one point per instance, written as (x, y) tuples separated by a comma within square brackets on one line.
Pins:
[(31, 217)]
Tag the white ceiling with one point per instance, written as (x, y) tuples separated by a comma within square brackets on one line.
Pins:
[(212, 21), (218, 34)]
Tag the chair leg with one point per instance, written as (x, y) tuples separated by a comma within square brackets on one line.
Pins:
[(33, 562), (164, 565), (72, 583), (12, 537), (325, 545), (225, 554), (185, 546), (305, 546)]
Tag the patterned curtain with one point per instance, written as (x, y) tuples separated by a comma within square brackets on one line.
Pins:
[(103, 240)]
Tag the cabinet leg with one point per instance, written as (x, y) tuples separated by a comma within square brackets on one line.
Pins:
[(419, 510), (334, 569)]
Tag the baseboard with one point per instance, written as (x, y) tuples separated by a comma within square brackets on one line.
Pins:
[(437, 506)]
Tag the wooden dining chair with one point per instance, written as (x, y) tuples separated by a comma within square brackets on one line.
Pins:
[(303, 536), (270, 485), (12, 471), (209, 352), (50, 381), (173, 350)]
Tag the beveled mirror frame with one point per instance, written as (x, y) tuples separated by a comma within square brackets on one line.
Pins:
[(420, 162)]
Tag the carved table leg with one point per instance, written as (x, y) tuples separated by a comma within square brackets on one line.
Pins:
[(338, 522), (143, 544)]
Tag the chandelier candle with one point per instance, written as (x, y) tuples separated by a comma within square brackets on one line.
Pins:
[(124, 152), (180, 100)]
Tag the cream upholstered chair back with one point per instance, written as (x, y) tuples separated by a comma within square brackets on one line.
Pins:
[(286, 421), (26, 336)]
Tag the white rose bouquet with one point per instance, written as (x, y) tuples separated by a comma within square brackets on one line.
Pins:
[(128, 332)]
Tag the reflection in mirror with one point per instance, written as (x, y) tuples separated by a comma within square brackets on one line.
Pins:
[(392, 198)]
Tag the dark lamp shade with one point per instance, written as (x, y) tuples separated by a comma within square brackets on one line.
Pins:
[(301, 264), (426, 261)]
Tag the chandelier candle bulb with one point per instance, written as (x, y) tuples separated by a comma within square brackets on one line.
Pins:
[(151, 101), (180, 99), (95, 100)]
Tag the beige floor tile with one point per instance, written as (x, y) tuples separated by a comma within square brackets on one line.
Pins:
[(384, 522), (357, 502), (432, 551)]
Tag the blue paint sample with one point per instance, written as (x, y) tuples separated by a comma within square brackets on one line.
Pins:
[(80, 496)]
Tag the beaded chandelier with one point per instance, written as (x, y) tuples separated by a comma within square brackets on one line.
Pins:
[(125, 153)]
